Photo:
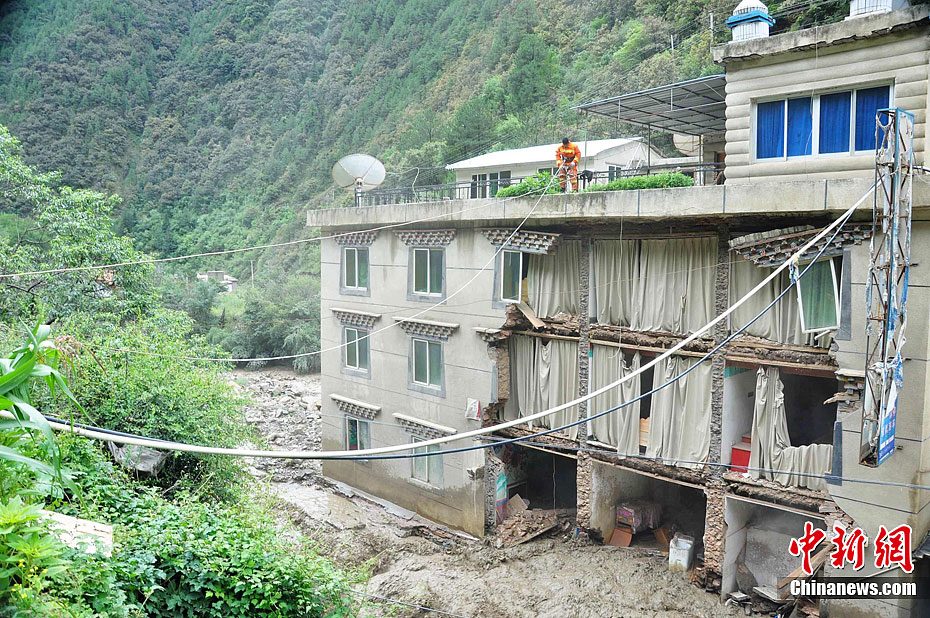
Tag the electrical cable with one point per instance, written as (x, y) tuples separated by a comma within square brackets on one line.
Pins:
[(386, 452)]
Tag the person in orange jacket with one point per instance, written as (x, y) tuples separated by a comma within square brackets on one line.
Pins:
[(567, 159)]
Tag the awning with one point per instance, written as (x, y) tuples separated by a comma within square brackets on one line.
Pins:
[(693, 107)]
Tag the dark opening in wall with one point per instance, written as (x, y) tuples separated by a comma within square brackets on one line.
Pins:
[(544, 480), (809, 420)]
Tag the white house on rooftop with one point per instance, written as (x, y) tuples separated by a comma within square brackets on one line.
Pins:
[(490, 171)]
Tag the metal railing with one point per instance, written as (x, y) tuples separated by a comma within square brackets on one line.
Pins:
[(711, 173)]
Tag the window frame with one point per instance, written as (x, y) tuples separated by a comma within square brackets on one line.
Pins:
[(355, 289), (836, 296), (361, 334), (504, 298), (815, 121), (430, 293), (428, 477), (349, 419), (438, 385)]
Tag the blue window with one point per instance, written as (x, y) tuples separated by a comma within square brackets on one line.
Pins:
[(834, 122), (800, 121), (868, 102), (770, 129)]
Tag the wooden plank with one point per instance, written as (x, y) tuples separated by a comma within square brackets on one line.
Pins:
[(530, 315), (816, 562), (530, 537)]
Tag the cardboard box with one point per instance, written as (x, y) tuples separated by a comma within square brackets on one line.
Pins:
[(622, 537)]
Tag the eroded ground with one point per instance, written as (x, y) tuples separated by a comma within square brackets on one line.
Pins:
[(417, 563)]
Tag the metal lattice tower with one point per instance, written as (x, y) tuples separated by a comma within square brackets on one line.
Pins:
[(886, 288)]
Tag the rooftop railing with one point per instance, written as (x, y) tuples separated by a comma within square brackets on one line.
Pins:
[(709, 173)]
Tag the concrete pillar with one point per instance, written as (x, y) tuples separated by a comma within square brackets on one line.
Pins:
[(721, 303), (492, 468), (584, 344), (715, 530), (585, 473)]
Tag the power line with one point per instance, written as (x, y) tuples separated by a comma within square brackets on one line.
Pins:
[(389, 452)]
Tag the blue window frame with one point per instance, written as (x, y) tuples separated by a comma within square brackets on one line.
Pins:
[(800, 123), (834, 122), (868, 102), (770, 130)]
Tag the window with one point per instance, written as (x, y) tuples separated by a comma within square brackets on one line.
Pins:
[(356, 349), (427, 363), (479, 185), (486, 185), (428, 271), (845, 122), (358, 434), (427, 469), (548, 170), (511, 275), (355, 268), (819, 298), (498, 180)]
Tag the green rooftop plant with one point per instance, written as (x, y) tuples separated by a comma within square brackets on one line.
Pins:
[(654, 181), (536, 184)]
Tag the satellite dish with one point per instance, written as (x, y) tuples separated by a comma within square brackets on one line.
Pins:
[(359, 171)]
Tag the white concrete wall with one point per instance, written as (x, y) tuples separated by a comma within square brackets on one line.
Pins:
[(738, 400), (469, 373), (900, 58)]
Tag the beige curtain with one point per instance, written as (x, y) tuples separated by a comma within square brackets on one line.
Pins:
[(665, 285), (614, 272), (553, 281), (544, 374), (675, 284), (679, 427), (771, 448), (621, 427), (781, 323)]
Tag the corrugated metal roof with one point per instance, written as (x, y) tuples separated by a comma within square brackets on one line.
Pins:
[(692, 107), (538, 154)]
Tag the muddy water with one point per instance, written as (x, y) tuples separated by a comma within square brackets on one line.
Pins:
[(420, 564)]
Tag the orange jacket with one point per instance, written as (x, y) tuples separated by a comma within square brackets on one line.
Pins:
[(567, 154)]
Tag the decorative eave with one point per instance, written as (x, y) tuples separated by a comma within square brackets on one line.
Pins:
[(773, 248), (490, 335), (421, 428), (531, 242), (350, 317), (355, 407), (425, 238), (426, 328), (356, 238)]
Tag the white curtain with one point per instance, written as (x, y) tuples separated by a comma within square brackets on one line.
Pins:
[(614, 271), (771, 448), (665, 285), (553, 281), (679, 427), (544, 374), (781, 323), (621, 427)]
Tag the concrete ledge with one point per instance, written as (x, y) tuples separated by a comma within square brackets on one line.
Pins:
[(802, 197)]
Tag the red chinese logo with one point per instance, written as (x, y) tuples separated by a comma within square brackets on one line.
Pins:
[(892, 547)]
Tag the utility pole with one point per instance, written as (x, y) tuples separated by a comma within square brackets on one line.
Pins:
[(886, 288)]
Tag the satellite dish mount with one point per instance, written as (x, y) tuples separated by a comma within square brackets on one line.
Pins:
[(360, 172)]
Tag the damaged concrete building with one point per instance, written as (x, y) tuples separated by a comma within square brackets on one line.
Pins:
[(545, 299)]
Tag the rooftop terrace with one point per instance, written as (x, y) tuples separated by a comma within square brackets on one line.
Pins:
[(806, 197)]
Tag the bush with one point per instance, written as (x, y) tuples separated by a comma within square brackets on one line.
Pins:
[(535, 184), (160, 394), (655, 181)]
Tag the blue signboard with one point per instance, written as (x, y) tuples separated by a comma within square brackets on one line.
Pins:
[(889, 422)]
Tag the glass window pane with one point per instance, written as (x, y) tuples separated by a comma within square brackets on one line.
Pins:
[(868, 102), (421, 270), (818, 297), (800, 121), (435, 363), (434, 467), (362, 268), (351, 434), (420, 466), (351, 348), (770, 129), (510, 278), (364, 435), (363, 350), (834, 122), (350, 270), (435, 271), (419, 361)]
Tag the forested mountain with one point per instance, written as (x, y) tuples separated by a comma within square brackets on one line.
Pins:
[(217, 121)]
